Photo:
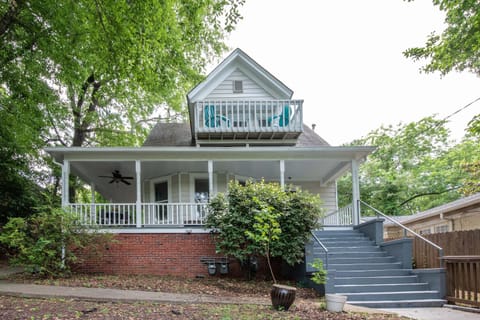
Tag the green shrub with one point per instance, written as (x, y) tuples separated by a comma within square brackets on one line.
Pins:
[(38, 242), (319, 276), (262, 219)]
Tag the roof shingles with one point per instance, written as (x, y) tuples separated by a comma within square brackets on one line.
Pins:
[(179, 134)]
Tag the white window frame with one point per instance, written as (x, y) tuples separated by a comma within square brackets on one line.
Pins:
[(154, 181), (194, 176), (234, 86)]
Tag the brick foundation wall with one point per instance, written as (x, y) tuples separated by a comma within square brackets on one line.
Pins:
[(171, 254)]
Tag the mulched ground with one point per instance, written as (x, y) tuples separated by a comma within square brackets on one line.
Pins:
[(217, 286), (307, 305)]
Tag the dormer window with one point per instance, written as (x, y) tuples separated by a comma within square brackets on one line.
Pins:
[(237, 86)]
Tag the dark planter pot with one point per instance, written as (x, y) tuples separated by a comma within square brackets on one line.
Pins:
[(282, 296)]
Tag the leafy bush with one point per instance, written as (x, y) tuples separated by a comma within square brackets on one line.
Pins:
[(320, 275), (262, 219), (38, 242)]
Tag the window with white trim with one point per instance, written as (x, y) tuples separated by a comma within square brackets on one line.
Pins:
[(441, 229)]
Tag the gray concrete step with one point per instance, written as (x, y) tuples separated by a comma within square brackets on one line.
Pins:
[(352, 248), (375, 280), (356, 260), (418, 303), (362, 254), (347, 243), (388, 287), (391, 296), (373, 273), (364, 266)]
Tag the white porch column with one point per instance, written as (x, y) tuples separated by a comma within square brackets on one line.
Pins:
[(93, 212), (282, 174), (138, 209), (355, 193), (65, 180), (92, 187), (210, 178)]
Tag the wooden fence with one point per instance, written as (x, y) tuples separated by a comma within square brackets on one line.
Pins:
[(457, 243), (463, 279)]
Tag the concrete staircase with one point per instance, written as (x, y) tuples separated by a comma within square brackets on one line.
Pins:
[(365, 273)]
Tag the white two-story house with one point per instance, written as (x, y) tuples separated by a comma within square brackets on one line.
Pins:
[(243, 124)]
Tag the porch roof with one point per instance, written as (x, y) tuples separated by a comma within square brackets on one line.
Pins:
[(320, 164), (186, 153)]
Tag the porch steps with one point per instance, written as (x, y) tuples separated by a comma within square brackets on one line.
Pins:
[(367, 275)]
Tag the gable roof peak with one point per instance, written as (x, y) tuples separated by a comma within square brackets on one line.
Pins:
[(238, 59)]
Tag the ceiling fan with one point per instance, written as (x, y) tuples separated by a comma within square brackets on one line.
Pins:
[(117, 177)]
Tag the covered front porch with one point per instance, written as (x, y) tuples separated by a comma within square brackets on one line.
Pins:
[(167, 189)]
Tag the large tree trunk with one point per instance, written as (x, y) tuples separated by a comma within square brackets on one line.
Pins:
[(81, 121)]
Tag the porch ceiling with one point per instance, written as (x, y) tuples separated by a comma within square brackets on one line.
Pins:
[(295, 170)]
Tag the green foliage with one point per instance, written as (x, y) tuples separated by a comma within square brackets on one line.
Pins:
[(319, 276), (414, 168), (266, 229), (37, 241), (457, 47), (83, 73), (262, 219)]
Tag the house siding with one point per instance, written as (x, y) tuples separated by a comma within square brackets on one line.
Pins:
[(221, 182), (185, 187), (328, 193), (251, 90)]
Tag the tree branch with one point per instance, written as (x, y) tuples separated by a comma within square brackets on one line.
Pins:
[(9, 16), (426, 194)]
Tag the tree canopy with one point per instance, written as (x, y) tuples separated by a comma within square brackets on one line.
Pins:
[(415, 167), (101, 72), (96, 71), (458, 46)]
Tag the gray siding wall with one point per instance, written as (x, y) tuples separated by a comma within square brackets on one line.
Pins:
[(251, 90)]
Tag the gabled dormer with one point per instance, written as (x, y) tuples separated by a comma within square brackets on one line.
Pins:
[(242, 103)]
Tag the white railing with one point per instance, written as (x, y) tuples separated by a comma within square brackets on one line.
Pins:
[(249, 116), (340, 217), (153, 214), (156, 214), (105, 214)]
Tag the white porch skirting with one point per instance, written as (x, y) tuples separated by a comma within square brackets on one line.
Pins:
[(152, 214)]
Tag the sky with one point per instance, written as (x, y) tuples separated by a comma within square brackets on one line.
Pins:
[(344, 59)]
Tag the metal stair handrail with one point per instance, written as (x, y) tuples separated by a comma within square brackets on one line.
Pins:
[(323, 247), (406, 229)]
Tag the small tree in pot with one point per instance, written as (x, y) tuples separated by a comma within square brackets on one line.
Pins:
[(262, 219)]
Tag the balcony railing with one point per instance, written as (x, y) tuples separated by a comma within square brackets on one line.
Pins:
[(151, 214), (248, 119)]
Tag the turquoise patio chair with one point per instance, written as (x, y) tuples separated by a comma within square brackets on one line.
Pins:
[(282, 119), (213, 120)]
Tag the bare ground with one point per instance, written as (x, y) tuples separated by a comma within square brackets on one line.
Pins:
[(307, 305)]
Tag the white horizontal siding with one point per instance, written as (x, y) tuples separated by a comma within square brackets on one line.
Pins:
[(328, 194), (251, 90)]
